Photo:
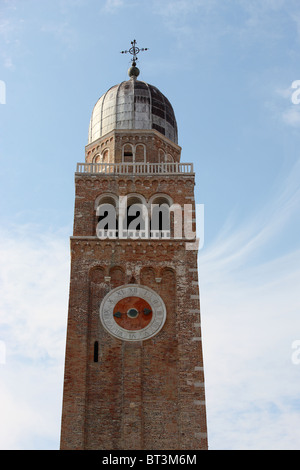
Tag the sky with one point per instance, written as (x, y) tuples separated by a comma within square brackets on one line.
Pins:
[(230, 69)]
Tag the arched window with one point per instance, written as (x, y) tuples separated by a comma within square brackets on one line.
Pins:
[(97, 158), (160, 225), (96, 275), (127, 154), (107, 217), (161, 156), (134, 215), (148, 277), (117, 276), (169, 158), (140, 153), (105, 156)]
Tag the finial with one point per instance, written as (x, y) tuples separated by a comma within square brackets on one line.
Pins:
[(134, 72)]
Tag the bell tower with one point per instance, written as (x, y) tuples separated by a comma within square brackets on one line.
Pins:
[(134, 374)]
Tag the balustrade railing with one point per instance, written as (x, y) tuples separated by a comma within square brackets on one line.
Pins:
[(135, 168)]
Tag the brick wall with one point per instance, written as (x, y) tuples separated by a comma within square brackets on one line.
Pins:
[(145, 394)]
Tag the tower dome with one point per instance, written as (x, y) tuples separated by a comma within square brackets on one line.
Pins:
[(133, 104)]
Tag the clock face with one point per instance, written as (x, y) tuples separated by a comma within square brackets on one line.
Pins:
[(132, 313)]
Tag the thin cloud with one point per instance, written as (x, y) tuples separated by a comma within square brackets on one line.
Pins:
[(250, 318), (235, 245), (284, 104), (34, 277), (291, 116), (248, 22), (112, 6), (33, 280)]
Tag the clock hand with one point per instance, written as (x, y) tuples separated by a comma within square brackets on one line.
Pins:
[(146, 311), (118, 314)]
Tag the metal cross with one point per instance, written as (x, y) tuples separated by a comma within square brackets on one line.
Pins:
[(134, 50)]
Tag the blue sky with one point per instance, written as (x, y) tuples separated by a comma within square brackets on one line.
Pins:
[(227, 67)]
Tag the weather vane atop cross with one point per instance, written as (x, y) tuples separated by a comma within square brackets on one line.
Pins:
[(134, 51)]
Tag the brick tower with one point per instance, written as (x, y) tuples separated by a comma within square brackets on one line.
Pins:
[(133, 368)]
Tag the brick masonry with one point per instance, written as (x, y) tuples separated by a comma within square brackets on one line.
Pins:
[(139, 395)]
